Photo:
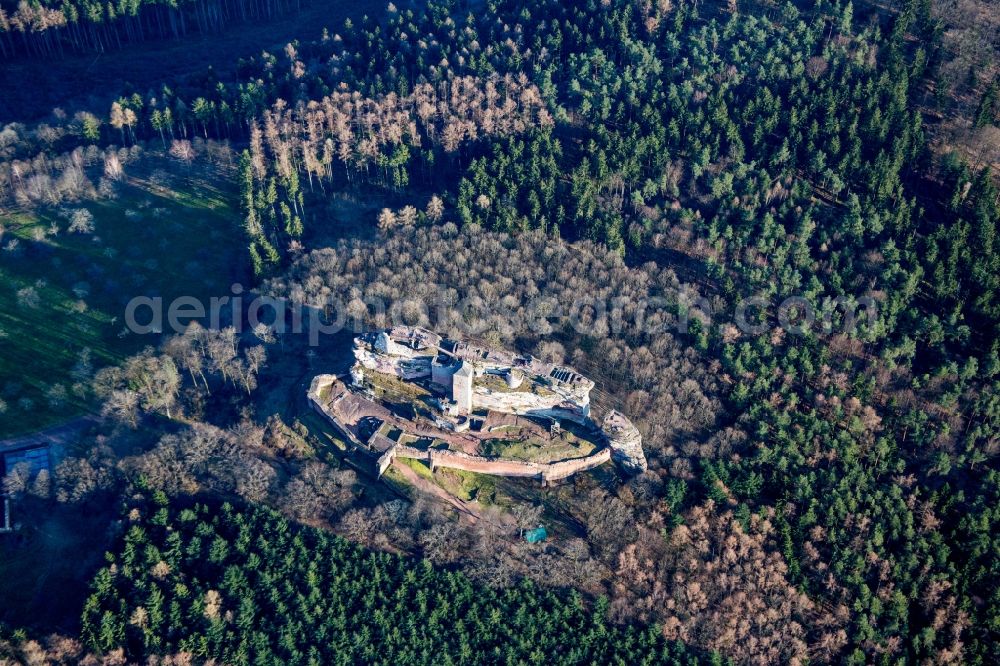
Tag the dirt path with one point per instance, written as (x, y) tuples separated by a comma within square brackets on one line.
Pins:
[(465, 509)]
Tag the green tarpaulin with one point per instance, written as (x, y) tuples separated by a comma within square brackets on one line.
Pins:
[(535, 535)]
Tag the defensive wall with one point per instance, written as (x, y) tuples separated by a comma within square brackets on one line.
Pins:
[(553, 471)]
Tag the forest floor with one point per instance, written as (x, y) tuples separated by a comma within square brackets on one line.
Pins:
[(152, 63), (45, 567)]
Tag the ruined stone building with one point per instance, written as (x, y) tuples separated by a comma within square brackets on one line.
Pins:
[(472, 391)]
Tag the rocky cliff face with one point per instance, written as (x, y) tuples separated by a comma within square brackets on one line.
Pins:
[(514, 402), (625, 442), (404, 367)]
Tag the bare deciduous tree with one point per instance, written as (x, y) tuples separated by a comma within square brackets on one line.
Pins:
[(81, 221)]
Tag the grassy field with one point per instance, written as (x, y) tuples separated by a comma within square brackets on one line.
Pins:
[(397, 482), (172, 231), (467, 486), (418, 466)]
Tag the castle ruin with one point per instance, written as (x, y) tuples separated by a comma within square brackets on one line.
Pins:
[(414, 394)]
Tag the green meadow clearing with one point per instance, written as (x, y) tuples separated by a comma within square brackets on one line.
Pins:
[(171, 231)]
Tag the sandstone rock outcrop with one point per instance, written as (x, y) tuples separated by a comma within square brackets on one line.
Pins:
[(625, 442)]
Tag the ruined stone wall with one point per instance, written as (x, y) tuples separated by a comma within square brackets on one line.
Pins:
[(497, 467), (622, 434), (470, 463), (384, 461), (566, 468), (319, 384), (412, 453)]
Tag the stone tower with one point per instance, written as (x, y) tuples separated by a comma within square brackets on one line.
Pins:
[(461, 388)]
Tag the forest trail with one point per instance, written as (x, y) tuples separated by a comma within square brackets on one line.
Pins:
[(465, 509)]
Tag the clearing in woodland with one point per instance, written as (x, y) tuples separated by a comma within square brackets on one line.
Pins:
[(63, 293)]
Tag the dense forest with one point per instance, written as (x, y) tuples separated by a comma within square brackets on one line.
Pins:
[(823, 494), (247, 587), (43, 28)]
